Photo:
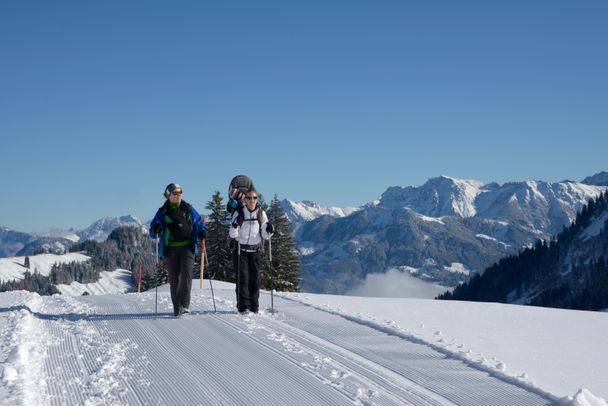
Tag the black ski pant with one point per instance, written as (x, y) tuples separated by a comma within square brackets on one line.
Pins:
[(180, 265), (248, 286)]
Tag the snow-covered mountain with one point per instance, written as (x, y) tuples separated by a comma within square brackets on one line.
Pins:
[(431, 230), (19, 243), (570, 271), (545, 207), (12, 241), (16, 243), (599, 179), (51, 245), (101, 229), (442, 196), (301, 212)]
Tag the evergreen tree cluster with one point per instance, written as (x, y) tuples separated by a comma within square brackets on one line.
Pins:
[(32, 282), (217, 246), (127, 247), (549, 274), (66, 273), (285, 265)]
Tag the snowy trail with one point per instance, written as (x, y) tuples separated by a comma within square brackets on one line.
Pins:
[(194, 360), (391, 355), (106, 350)]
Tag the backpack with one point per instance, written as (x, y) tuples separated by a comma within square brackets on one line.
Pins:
[(178, 221), (238, 184)]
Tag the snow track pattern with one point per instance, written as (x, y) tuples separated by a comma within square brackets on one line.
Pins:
[(110, 350)]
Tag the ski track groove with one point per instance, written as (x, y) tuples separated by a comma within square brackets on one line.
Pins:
[(450, 378), (170, 363), (202, 379), (401, 389), (173, 386), (280, 353)]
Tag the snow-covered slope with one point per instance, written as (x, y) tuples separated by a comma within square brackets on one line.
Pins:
[(14, 267), (115, 282), (110, 283), (316, 349)]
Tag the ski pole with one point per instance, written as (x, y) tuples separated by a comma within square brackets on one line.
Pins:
[(202, 262), (271, 268), (202, 257), (156, 280), (238, 274), (210, 280)]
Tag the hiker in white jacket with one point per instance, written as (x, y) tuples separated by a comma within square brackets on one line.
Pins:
[(249, 226)]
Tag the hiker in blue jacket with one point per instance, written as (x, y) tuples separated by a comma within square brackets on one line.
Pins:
[(179, 228)]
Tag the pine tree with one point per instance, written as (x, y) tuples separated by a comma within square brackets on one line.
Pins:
[(27, 262), (285, 261), (217, 245)]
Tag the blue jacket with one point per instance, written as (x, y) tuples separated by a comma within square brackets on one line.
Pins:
[(197, 226)]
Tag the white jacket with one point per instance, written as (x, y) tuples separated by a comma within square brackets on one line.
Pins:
[(249, 232)]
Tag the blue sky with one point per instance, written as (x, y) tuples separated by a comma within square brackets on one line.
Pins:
[(102, 103)]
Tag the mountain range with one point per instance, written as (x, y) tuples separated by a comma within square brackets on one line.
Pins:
[(299, 213), (443, 231), (16, 243), (569, 271)]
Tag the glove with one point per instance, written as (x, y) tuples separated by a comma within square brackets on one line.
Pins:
[(238, 221), (157, 228), (233, 203), (202, 234), (269, 228)]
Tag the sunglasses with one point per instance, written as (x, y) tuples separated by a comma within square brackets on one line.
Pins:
[(251, 197), (176, 193)]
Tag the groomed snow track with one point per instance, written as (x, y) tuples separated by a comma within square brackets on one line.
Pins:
[(110, 350)]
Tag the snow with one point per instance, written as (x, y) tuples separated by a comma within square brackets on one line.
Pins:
[(596, 226), (489, 238), (315, 349), (430, 219), (308, 211), (13, 267), (557, 350), (116, 282), (586, 398), (486, 237), (469, 190), (102, 228), (457, 267)]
